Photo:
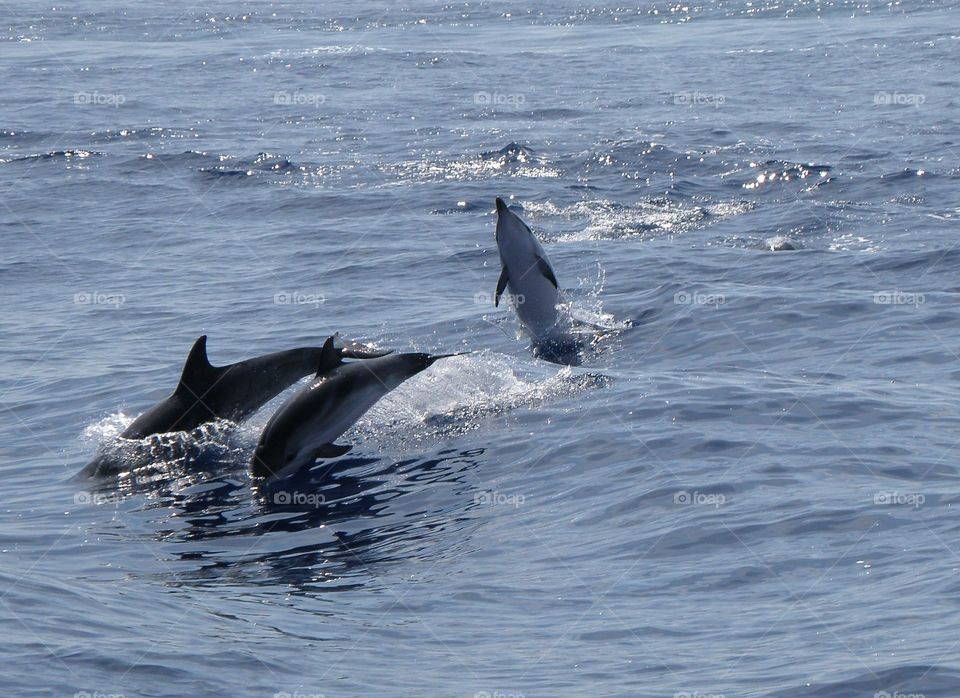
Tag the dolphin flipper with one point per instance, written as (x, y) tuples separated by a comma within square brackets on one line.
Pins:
[(545, 269), (501, 285)]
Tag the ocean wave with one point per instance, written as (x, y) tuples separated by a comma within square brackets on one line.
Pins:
[(57, 155), (602, 219), (512, 160), (458, 395)]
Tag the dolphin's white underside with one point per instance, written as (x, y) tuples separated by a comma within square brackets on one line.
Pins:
[(521, 254)]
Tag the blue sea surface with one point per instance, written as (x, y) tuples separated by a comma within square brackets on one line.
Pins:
[(745, 488)]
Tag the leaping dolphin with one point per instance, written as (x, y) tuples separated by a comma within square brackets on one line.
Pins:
[(206, 392), (235, 391), (307, 425), (528, 274)]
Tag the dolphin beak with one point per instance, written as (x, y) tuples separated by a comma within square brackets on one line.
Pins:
[(501, 207), (436, 357)]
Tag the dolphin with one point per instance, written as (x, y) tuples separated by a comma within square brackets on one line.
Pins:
[(206, 393), (306, 426), (528, 275), (235, 391)]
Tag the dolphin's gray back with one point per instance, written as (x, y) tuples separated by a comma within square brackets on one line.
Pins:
[(235, 391), (246, 386), (335, 389), (322, 411)]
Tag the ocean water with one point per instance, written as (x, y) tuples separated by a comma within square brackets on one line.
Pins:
[(747, 486)]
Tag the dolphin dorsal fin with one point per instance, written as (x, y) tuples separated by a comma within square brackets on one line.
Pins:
[(329, 357), (197, 373)]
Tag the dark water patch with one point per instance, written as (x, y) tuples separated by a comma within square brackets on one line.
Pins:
[(190, 158), (929, 680), (76, 155), (262, 163), (16, 137), (771, 174), (462, 207), (142, 133), (919, 472), (926, 261), (354, 507), (527, 115), (907, 174)]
